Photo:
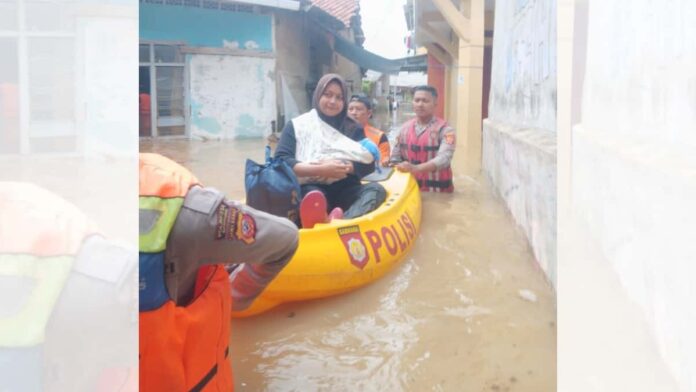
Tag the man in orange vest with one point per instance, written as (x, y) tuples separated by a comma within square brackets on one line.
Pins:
[(70, 321), (360, 110), (426, 144), (189, 234)]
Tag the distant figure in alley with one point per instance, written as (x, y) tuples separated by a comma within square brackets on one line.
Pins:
[(425, 144)]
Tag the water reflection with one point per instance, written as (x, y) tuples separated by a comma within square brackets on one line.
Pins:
[(358, 352)]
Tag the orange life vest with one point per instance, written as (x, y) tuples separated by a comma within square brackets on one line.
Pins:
[(422, 148), (182, 348), (375, 135), (40, 236)]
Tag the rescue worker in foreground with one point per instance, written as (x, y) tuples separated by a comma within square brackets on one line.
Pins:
[(66, 316), (188, 234), (426, 144), (360, 110)]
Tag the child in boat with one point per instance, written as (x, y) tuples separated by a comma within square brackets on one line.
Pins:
[(322, 146)]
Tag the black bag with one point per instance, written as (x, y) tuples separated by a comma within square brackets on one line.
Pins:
[(273, 187)]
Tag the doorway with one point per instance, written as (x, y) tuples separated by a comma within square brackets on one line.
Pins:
[(162, 92), (144, 102)]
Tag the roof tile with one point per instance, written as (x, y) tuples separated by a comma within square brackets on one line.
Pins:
[(342, 10)]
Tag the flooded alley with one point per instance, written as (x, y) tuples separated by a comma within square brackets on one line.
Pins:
[(550, 249), (467, 310)]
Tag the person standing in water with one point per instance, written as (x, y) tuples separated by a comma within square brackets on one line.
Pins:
[(426, 144)]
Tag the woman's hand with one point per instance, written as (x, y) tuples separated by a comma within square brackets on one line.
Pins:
[(336, 169)]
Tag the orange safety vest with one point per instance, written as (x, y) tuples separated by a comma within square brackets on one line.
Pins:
[(40, 236), (182, 348), (375, 135)]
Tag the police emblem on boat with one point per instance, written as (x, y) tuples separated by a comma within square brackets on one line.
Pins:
[(355, 245)]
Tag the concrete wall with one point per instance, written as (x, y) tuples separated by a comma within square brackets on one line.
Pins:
[(231, 96), (346, 68), (519, 153), (293, 58), (523, 86), (452, 105), (521, 164), (633, 163), (205, 27), (106, 107)]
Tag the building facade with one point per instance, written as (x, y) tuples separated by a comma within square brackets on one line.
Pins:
[(227, 70), (54, 77)]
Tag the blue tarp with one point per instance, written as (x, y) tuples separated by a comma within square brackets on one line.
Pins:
[(369, 60)]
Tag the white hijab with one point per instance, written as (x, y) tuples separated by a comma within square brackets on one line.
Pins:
[(316, 141)]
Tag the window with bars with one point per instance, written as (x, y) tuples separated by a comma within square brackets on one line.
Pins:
[(162, 68), (38, 56)]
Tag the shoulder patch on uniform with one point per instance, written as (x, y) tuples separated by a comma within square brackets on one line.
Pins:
[(227, 217), (246, 229)]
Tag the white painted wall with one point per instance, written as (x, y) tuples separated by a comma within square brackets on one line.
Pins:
[(105, 105), (523, 81), (346, 68), (292, 53), (521, 164), (633, 163), (519, 140), (231, 96)]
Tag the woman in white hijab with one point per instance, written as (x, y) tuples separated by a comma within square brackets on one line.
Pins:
[(327, 151)]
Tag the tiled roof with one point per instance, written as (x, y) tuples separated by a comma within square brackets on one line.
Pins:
[(342, 10)]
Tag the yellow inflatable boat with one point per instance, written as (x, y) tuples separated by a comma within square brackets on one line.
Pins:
[(343, 255)]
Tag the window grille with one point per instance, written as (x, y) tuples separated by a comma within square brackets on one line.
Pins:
[(209, 4)]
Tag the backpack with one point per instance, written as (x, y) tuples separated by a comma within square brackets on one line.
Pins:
[(273, 187)]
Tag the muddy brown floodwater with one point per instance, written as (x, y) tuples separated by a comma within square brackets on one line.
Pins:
[(467, 310)]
